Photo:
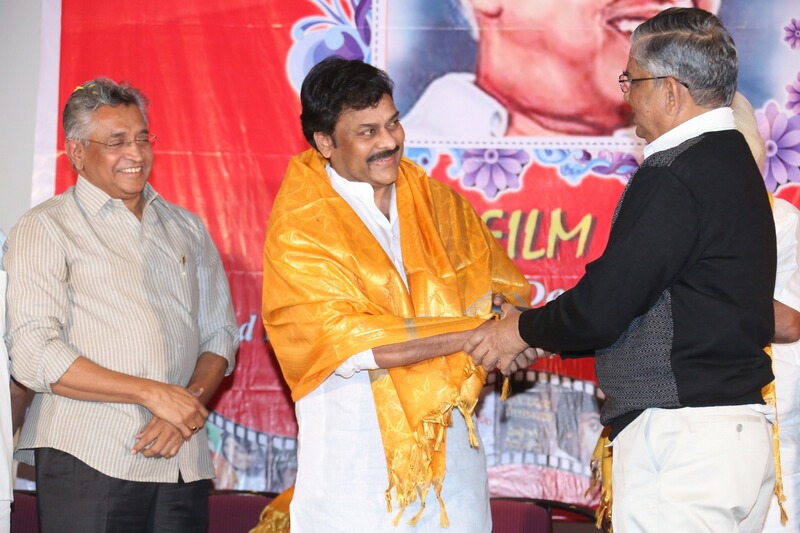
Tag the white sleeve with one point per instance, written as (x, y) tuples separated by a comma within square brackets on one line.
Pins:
[(361, 361), (787, 231)]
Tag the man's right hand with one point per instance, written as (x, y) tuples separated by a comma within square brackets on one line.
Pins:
[(497, 343), (176, 405), (158, 439)]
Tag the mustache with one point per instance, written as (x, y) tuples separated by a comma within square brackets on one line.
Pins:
[(384, 154)]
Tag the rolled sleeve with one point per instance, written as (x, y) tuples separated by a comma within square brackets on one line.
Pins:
[(37, 306), (219, 332)]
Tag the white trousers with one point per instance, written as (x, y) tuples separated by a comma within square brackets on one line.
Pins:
[(706, 469)]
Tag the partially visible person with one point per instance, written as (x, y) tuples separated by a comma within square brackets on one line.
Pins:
[(540, 70), (6, 429), (121, 322), (785, 347), (786, 362), (678, 309), (374, 274)]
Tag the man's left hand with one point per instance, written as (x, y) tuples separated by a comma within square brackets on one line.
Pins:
[(524, 359)]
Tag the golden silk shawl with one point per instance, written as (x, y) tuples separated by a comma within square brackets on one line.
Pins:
[(330, 292)]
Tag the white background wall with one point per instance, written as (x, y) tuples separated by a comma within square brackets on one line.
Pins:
[(19, 78)]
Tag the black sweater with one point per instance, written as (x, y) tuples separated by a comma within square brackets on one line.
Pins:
[(678, 308)]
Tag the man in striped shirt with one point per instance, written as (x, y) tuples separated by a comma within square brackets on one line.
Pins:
[(121, 322)]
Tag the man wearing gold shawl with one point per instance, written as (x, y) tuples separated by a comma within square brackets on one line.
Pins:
[(374, 276)]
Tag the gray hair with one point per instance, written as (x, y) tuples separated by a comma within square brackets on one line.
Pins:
[(693, 46), (87, 97)]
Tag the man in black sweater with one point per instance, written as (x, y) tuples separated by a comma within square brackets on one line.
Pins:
[(678, 309)]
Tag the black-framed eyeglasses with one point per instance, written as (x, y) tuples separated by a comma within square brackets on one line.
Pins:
[(144, 141), (625, 82)]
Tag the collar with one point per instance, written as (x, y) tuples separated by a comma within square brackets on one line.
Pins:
[(455, 103), (95, 199), (363, 192), (491, 114), (715, 120)]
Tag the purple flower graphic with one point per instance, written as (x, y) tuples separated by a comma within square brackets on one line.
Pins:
[(342, 30), (493, 170), (781, 134), (620, 163), (792, 34), (793, 98)]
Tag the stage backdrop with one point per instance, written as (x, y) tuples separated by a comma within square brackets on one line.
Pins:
[(518, 109)]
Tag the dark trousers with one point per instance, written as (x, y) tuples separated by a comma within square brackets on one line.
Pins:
[(72, 496)]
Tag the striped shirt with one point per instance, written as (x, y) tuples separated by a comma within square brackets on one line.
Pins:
[(87, 278)]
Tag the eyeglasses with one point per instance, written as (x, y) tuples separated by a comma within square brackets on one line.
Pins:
[(143, 141), (625, 82)]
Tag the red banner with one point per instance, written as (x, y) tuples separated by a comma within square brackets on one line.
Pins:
[(223, 77)]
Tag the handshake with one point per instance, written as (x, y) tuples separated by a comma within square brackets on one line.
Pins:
[(498, 344)]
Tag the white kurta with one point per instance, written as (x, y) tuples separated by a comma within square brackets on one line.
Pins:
[(786, 363), (342, 475)]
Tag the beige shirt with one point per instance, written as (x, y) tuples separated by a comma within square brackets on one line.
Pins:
[(87, 278)]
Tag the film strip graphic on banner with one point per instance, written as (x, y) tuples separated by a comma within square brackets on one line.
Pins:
[(549, 420), (246, 459)]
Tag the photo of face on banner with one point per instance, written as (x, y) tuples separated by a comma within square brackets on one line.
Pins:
[(577, 424), (542, 68), (246, 459), (548, 421), (240, 462)]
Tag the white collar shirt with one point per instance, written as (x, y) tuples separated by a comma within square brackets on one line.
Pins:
[(719, 119)]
